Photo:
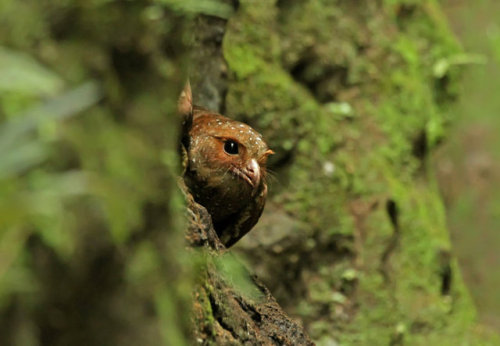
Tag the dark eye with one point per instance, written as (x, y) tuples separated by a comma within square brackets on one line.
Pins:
[(231, 147)]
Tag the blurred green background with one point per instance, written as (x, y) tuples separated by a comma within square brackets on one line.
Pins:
[(468, 165), (89, 210)]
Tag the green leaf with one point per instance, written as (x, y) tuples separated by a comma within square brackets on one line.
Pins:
[(21, 73), (63, 106), (22, 157), (235, 273), (442, 66)]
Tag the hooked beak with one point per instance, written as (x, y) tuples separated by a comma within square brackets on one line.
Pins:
[(251, 173)]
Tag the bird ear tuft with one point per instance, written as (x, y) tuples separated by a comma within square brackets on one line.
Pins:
[(185, 102), (185, 110)]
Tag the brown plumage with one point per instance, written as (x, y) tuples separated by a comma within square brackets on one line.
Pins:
[(225, 168)]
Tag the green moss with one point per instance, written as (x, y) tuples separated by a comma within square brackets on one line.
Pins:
[(379, 61)]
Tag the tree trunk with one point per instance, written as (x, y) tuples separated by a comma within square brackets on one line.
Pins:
[(352, 97)]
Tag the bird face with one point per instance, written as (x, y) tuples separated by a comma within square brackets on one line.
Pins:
[(227, 152)]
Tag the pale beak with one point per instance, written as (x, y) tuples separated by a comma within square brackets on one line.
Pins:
[(251, 173)]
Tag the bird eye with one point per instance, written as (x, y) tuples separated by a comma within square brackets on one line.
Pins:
[(231, 147)]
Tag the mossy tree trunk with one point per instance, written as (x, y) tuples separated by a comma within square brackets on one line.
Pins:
[(353, 97)]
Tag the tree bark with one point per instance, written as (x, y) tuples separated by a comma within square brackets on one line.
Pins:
[(353, 99)]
